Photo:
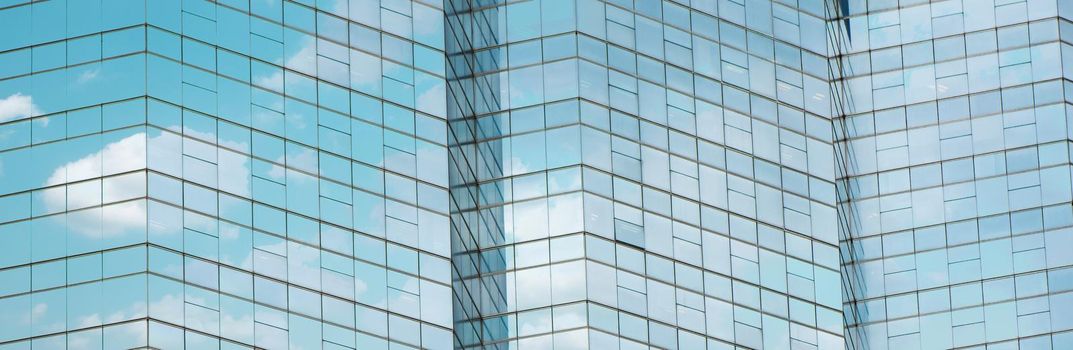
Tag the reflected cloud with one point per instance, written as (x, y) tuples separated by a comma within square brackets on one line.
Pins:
[(433, 100), (568, 281), (234, 170), (88, 75), (274, 81), (360, 287), (127, 154), (532, 287), (568, 213), (135, 332), (82, 340), (365, 71), (129, 312), (572, 340), (17, 106), (278, 172), (132, 311), (535, 323), (168, 307), (237, 328), (304, 60), (212, 138), (91, 320), (40, 309), (305, 160), (530, 220), (303, 265)]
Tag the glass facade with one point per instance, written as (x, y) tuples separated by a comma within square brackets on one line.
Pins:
[(955, 185), (223, 175), (642, 174), (536, 174)]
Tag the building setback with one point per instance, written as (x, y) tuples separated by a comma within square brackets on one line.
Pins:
[(536, 174)]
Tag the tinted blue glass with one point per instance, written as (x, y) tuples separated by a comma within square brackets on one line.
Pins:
[(352, 174), (950, 249), (179, 165)]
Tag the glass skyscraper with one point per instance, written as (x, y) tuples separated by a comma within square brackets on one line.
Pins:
[(642, 174), (536, 174), (955, 193), (223, 174)]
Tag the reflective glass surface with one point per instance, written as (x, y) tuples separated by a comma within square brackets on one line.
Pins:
[(636, 174), (955, 186), (536, 174), (223, 174)]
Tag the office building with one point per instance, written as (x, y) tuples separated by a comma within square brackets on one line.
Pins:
[(538, 174), (956, 183), (232, 174)]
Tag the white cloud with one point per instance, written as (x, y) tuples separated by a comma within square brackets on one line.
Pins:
[(125, 154), (532, 288), (169, 307), (518, 166), (81, 340), (274, 81), (132, 311), (128, 312), (211, 138), (91, 320), (234, 172), (360, 287), (237, 328), (134, 330), (39, 310), (530, 220), (433, 100), (306, 159), (88, 75), (277, 172), (365, 70), (567, 211), (572, 340), (17, 106), (304, 60), (303, 265), (534, 323), (230, 232), (339, 8)]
